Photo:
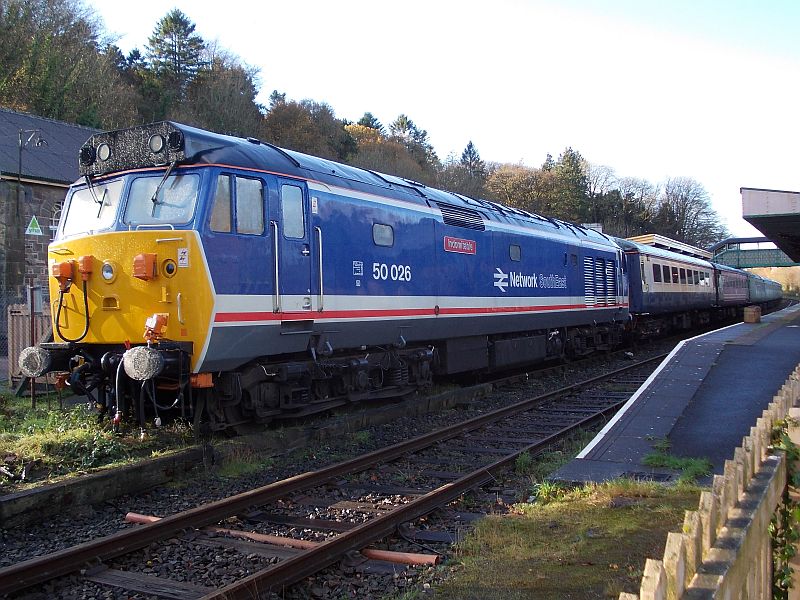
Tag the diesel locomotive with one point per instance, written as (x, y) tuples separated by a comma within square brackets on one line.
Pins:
[(235, 281)]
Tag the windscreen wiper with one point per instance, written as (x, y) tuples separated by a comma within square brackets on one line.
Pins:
[(102, 201), (90, 185), (154, 199)]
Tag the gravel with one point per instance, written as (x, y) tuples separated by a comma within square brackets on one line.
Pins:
[(199, 564)]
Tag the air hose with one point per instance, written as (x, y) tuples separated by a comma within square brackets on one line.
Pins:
[(85, 312)]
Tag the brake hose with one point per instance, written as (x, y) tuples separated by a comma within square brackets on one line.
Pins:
[(85, 312)]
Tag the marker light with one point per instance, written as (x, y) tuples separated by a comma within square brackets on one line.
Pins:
[(156, 143), (104, 151)]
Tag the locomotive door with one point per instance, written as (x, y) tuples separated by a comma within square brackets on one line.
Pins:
[(290, 232)]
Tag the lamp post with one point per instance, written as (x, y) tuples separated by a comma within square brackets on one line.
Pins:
[(27, 136)]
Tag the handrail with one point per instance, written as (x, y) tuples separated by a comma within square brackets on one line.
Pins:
[(321, 288), (276, 296)]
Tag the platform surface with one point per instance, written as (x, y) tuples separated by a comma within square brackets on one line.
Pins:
[(703, 399)]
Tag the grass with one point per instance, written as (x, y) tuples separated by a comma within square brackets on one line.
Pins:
[(42, 444), (691, 469), (243, 461), (569, 547)]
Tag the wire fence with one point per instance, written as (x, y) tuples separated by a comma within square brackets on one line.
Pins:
[(18, 330)]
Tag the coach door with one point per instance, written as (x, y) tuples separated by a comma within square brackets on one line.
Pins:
[(292, 248)]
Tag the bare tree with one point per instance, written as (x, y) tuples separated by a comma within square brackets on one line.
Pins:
[(685, 213)]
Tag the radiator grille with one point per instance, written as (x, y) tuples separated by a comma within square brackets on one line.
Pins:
[(461, 216)]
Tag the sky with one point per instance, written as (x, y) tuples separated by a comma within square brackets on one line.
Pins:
[(706, 89)]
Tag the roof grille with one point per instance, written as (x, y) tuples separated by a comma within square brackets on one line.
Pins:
[(460, 216)]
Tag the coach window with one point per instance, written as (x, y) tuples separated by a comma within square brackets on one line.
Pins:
[(515, 253), (294, 225), (249, 206), (696, 278), (656, 273), (221, 211), (383, 235), (665, 270), (674, 274), (683, 276)]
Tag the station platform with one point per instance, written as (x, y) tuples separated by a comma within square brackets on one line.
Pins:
[(703, 399)]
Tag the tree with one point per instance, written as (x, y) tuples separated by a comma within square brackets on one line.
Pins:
[(514, 185), (50, 64), (472, 163), (276, 98), (174, 52), (369, 120), (685, 214), (404, 130), (310, 127), (223, 98), (381, 153)]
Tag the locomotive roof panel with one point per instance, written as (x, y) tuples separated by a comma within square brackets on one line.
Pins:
[(166, 142)]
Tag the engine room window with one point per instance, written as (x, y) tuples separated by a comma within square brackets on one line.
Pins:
[(574, 260), (221, 211), (294, 224), (515, 253), (657, 273), (151, 202), (382, 235), (250, 206), (665, 271)]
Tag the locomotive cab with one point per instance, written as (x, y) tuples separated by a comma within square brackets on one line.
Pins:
[(131, 300)]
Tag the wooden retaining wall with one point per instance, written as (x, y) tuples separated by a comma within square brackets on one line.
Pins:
[(724, 548)]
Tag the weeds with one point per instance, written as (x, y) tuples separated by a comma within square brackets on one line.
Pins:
[(523, 463), (691, 469), (243, 460)]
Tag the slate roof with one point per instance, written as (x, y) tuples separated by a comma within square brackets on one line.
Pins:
[(55, 162)]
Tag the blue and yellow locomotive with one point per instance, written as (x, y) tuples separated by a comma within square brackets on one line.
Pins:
[(235, 281)]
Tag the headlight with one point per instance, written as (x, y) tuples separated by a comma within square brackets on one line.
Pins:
[(104, 151), (108, 272), (156, 143)]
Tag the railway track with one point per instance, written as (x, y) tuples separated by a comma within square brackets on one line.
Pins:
[(356, 502)]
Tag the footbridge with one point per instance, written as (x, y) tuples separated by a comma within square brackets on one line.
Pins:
[(776, 214), (749, 252)]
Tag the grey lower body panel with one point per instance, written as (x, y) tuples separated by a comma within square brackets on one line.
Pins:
[(230, 347)]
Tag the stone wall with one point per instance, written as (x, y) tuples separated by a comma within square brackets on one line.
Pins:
[(22, 255)]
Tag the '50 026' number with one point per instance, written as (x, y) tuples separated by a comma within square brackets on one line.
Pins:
[(393, 272)]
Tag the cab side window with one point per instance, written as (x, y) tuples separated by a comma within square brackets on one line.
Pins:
[(221, 211), (249, 206), (240, 212), (292, 213)]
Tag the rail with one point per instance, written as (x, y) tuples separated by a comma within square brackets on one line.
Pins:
[(41, 569)]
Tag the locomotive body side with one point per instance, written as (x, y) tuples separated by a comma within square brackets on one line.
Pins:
[(239, 281)]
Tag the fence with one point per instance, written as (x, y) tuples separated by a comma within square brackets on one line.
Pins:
[(724, 548), (18, 328)]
